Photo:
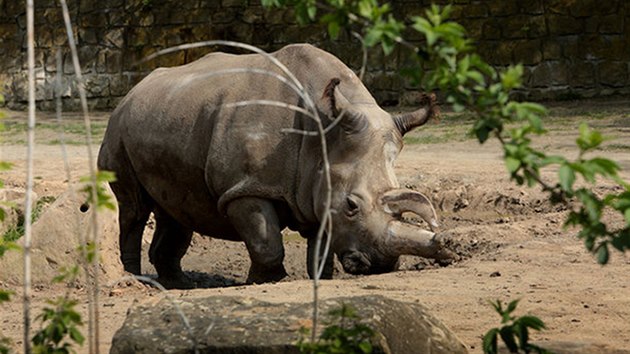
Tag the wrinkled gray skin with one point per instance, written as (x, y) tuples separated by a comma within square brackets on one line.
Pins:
[(231, 173)]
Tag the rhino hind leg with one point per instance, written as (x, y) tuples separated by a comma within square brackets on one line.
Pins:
[(169, 245), (134, 207), (257, 223)]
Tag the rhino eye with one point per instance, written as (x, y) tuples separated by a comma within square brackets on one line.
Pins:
[(352, 208)]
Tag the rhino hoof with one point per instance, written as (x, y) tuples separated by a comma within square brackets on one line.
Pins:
[(176, 282), (259, 275)]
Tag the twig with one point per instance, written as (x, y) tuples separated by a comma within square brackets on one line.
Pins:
[(280, 78), (93, 324), (543, 184), (251, 48), (313, 132), (30, 29), (365, 54), (58, 109), (270, 103)]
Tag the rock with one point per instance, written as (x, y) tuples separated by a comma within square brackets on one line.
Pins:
[(245, 325)]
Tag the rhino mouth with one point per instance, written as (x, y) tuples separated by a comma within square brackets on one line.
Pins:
[(359, 263)]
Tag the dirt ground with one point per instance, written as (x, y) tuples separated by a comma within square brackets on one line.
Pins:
[(513, 240)]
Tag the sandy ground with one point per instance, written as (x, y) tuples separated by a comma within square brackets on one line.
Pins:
[(513, 240)]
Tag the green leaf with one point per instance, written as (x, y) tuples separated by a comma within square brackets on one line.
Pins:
[(508, 338), (482, 134), (551, 160), (567, 177), (388, 47), (512, 306), (512, 164), (602, 253), (366, 347), (5, 166), (5, 295), (76, 335), (489, 343), (603, 166), (311, 10), (365, 9), (333, 30), (626, 214), (511, 78), (372, 37), (532, 322), (588, 139)]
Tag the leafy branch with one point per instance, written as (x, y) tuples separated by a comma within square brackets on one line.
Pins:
[(343, 334), (96, 193), (59, 330), (447, 62), (514, 332)]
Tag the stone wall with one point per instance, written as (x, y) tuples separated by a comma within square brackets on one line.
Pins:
[(570, 48)]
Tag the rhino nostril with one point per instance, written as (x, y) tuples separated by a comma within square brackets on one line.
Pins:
[(355, 262)]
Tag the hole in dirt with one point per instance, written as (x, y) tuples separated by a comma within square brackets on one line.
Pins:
[(84, 207)]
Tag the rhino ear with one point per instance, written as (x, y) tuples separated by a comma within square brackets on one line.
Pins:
[(406, 122), (338, 107)]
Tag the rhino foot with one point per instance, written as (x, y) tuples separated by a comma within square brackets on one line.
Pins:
[(132, 266), (261, 274), (178, 281)]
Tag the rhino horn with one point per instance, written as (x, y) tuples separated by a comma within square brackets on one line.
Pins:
[(407, 121), (405, 238), (398, 201)]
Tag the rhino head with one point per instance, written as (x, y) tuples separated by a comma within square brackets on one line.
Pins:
[(369, 234)]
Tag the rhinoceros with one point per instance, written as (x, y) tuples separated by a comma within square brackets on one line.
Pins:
[(234, 172)]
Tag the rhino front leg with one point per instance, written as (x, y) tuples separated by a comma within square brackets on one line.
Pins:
[(257, 223), (169, 245), (327, 273)]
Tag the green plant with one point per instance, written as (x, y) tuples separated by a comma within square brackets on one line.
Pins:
[(17, 231), (59, 328), (343, 334), (514, 331), (447, 62), (4, 166), (98, 195)]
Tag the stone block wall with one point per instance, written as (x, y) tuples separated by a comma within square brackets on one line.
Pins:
[(570, 48)]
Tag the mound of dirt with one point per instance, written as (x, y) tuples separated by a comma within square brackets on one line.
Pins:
[(55, 236)]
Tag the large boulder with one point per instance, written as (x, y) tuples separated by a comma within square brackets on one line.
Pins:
[(55, 241), (245, 325)]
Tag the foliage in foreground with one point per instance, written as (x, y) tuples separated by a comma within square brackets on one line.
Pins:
[(59, 331), (514, 331), (344, 334), (447, 62)]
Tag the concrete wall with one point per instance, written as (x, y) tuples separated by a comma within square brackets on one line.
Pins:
[(570, 48)]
